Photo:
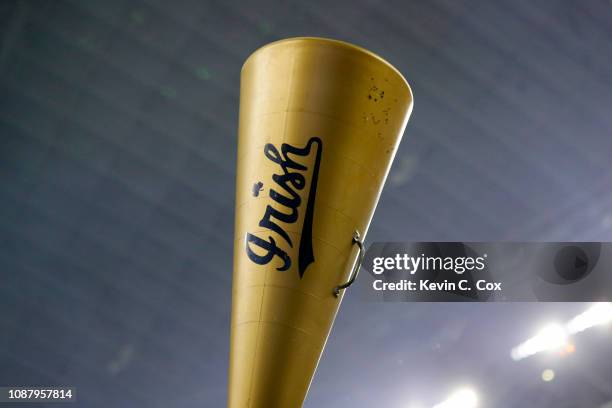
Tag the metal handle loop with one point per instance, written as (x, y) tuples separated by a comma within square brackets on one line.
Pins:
[(356, 240)]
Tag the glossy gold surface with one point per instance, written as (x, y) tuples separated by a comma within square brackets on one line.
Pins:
[(292, 92)]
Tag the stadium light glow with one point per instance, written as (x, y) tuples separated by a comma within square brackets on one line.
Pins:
[(551, 337), (556, 336), (462, 398), (598, 314)]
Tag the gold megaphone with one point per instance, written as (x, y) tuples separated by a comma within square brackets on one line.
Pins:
[(320, 122)]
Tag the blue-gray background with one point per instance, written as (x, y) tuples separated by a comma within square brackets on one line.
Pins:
[(117, 163)]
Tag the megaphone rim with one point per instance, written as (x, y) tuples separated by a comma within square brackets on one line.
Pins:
[(330, 41)]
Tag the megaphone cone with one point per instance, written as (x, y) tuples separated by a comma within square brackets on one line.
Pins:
[(320, 122)]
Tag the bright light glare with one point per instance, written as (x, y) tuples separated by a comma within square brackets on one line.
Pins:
[(548, 375), (556, 336), (463, 398), (598, 314), (551, 337)]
